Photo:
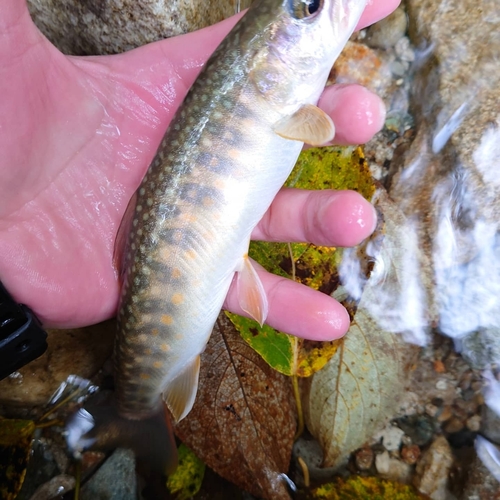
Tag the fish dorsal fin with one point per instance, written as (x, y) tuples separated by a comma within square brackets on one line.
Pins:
[(120, 251), (179, 396), (251, 294), (308, 124)]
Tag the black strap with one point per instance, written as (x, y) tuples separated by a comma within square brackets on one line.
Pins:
[(22, 338)]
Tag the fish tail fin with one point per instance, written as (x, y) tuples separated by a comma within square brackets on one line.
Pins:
[(100, 427)]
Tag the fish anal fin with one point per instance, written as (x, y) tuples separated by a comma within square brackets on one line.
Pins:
[(121, 241), (180, 394), (308, 124), (251, 294)]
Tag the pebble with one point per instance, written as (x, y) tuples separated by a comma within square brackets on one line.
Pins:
[(391, 437), (410, 454), (392, 468), (439, 366), (431, 475), (453, 425), (441, 385), (405, 53), (115, 479), (364, 458), (386, 33), (474, 423), (446, 414), (431, 409)]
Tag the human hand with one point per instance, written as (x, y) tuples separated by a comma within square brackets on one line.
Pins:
[(77, 135)]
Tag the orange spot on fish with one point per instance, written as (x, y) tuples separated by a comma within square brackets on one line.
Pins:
[(145, 376), (189, 217), (177, 298), (165, 347), (155, 331), (179, 336), (166, 319), (165, 252), (234, 154), (207, 202), (148, 352), (157, 364), (176, 273), (190, 254)]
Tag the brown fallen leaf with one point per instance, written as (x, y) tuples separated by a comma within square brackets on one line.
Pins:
[(244, 419)]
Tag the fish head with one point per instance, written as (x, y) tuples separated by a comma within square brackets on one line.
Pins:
[(297, 45)]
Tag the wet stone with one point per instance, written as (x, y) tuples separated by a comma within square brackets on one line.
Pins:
[(410, 454), (389, 31), (433, 468), (80, 351), (115, 480), (364, 458)]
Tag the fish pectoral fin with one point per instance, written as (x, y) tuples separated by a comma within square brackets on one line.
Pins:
[(308, 124), (120, 251), (179, 396), (251, 294)]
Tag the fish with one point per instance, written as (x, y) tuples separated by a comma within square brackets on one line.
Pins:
[(226, 153)]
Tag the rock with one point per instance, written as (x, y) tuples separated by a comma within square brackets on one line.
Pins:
[(431, 410), (391, 437), (115, 479), (392, 468), (359, 64), (112, 26), (453, 425), (310, 451), (387, 32), (81, 352), (410, 454), (42, 467), (446, 183), (382, 462), (420, 428), (431, 475), (53, 489), (364, 458)]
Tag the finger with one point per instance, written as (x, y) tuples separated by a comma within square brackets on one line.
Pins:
[(297, 309), (357, 113), (375, 11), (327, 218)]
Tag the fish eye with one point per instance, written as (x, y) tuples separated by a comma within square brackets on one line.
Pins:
[(304, 9)]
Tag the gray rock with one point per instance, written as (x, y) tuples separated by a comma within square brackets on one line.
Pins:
[(85, 27), (386, 33), (115, 479), (449, 183)]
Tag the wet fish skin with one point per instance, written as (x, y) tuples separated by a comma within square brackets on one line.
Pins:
[(215, 173)]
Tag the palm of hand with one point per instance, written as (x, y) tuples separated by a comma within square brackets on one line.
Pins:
[(75, 145), (76, 136)]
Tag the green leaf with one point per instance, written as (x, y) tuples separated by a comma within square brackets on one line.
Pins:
[(365, 488), (314, 266), (15, 446), (186, 481)]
